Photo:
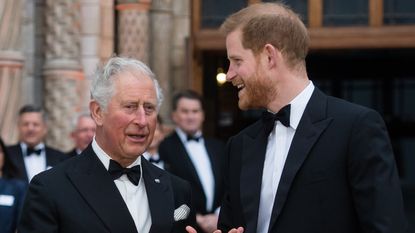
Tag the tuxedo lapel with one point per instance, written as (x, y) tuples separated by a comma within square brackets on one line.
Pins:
[(98, 189), (17, 155), (253, 157), (312, 124), (51, 158), (186, 161), (160, 198), (212, 153)]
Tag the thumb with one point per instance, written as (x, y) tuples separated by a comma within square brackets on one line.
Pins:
[(190, 229)]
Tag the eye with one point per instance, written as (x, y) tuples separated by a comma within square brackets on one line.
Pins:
[(149, 108), (130, 107)]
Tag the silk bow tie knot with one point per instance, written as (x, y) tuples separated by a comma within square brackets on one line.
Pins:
[(283, 115), (194, 138), (31, 150), (116, 171), (154, 160)]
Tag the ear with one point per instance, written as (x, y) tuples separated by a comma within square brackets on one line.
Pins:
[(96, 112), (272, 55)]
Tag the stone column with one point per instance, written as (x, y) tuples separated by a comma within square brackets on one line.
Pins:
[(161, 46), (11, 64), (133, 28), (180, 56), (62, 71)]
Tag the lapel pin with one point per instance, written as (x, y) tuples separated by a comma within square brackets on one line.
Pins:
[(157, 181)]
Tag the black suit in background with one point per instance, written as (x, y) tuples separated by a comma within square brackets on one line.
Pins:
[(79, 195), (339, 176), (72, 153), (177, 161), (53, 157)]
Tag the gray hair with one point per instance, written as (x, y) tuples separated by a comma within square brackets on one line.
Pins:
[(102, 87)]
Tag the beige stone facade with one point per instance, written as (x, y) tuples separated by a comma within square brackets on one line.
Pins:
[(49, 50)]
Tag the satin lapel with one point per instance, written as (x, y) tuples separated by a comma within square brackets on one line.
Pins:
[(20, 162), (185, 160), (253, 156), (313, 122), (51, 158), (210, 148), (95, 185), (160, 198)]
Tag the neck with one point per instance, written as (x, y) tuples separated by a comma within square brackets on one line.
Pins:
[(288, 90)]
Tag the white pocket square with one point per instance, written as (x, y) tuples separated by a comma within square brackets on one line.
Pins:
[(181, 213)]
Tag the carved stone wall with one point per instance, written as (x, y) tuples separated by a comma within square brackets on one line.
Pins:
[(62, 71), (133, 29), (11, 63), (161, 44)]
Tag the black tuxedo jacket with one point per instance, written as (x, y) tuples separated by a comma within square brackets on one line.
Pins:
[(79, 195), (339, 175), (178, 162), (72, 153), (53, 157)]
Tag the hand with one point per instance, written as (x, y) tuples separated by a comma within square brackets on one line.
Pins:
[(190, 229), (207, 222)]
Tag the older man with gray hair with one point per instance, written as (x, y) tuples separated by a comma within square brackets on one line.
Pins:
[(109, 188), (83, 131)]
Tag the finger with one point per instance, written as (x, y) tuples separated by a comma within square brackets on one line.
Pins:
[(190, 229)]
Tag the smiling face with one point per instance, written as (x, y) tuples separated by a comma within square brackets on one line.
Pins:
[(126, 128), (246, 72), (32, 128), (189, 115)]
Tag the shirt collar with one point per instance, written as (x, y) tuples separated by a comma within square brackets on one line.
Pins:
[(299, 103), (105, 158), (39, 146), (183, 135)]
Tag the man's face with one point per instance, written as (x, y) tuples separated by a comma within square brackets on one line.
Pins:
[(32, 128), (126, 128), (84, 132), (189, 115), (246, 73)]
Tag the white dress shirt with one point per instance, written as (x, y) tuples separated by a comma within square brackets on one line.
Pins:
[(200, 159), (279, 142), (34, 163), (135, 197)]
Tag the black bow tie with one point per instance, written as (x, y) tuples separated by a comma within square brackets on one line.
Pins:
[(194, 138), (31, 150), (283, 115), (153, 160), (116, 171)]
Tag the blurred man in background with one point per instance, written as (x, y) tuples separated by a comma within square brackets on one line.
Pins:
[(83, 133), (31, 155)]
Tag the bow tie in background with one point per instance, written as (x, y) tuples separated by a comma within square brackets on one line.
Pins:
[(153, 160), (194, 138), (116, 171), (31, 151), (283, 115)]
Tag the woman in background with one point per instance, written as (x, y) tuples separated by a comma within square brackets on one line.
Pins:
[(11, 193)]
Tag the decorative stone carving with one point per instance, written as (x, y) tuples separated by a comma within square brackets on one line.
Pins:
[(62, 71), (11, 63), (133, 29)]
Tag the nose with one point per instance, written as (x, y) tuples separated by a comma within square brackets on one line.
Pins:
[(140, 117), (231, 74)]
